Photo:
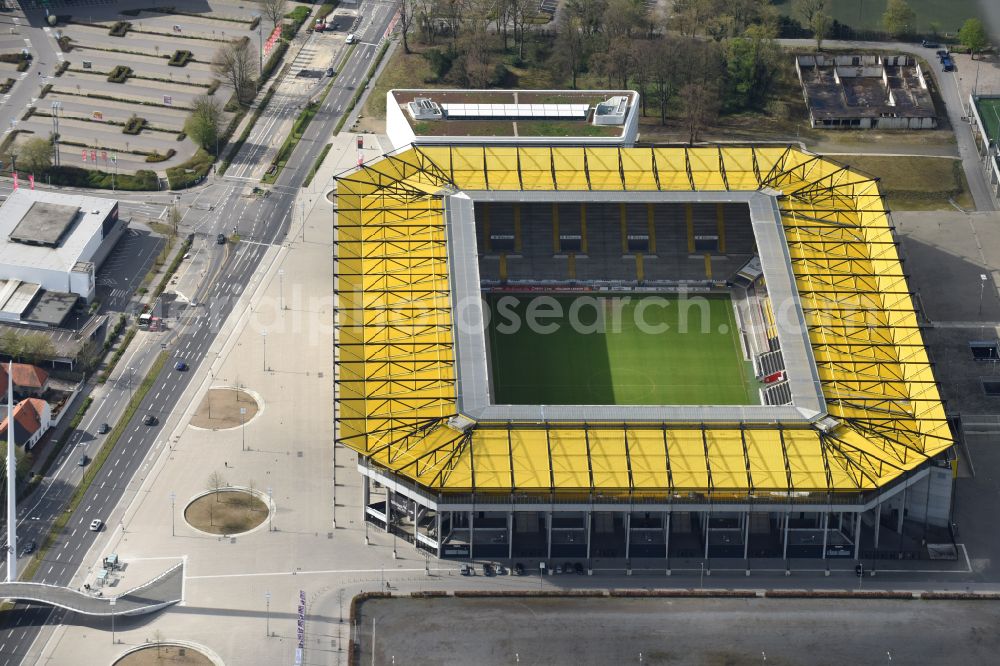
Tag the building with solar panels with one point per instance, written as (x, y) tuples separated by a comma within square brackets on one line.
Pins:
[(600, 353)]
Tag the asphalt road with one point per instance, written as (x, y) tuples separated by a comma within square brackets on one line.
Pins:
[(266, 221)]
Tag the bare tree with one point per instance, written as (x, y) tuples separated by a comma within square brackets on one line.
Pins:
[(700, 103), (215, 483), (235, 63), (252, 493), (406, 12), (158, 641), (274, 10)]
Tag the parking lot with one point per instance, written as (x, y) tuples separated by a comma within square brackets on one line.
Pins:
[(123, 270), (581, 632), (93, 111)]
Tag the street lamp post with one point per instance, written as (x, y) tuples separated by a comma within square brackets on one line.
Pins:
[(131, 371), (281, 288), (982, 287), (263, 335), (112, 601), (173, 496), (270, 505), (243, 428), (267, 620), (701, 584)]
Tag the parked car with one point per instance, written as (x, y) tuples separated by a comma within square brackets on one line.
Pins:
[(499, 569), (329, 71), (96, 524), (149, 420), (927, 44), (103, 429), (519, 569), (220, 239), (487, 569), (942, 53), (558, 569), (578, 568), (466, 570), (947, 64), (180, 365), (320, 26), (351, 39)]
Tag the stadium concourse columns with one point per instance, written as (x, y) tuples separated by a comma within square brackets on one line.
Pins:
[(896, 523)]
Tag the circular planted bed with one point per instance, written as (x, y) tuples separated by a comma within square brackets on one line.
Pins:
[(166, 654), (227, 511), (220, 409)]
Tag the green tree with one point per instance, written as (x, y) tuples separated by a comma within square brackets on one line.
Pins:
[(821, 25), (973, 36), (899, 18), (752, 66), (37, 347), (35, 155), (204, 124)]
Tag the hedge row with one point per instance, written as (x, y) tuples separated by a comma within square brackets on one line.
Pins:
[(191, 172), (117, 356)]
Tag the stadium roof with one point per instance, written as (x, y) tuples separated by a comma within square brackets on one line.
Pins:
[(396, 387)]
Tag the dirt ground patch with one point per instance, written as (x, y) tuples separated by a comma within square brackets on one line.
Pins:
[(226, 512), (220, 409), (172, 655), (916, 183)]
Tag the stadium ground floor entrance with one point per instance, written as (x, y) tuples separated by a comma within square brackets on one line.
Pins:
[(909, 520)]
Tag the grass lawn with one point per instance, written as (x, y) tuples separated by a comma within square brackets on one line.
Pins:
[(695, 359), (867, 14), (916, 183)]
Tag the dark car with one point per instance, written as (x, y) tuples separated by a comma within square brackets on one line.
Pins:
[(947, 64), (927, 44), (180, 365), (221, 239), (149, 420), (567, 567), (329, 71), (942, 53), (83, 460), (103, 429), (487, 569), (29, 548), (519, 569), (578, 568)]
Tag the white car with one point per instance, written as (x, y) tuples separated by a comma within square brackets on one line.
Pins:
[(95, 525), (351, 38)]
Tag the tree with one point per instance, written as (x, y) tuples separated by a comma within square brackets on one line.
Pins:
[(174, 218), (158, 641), (406, 11), (899, 18), (35, 155), (569, 45), (805, 10), (821, 25), (973, 36), (752, 65), (237, 65), (215, 483), (37, 347), (204, 124), (274, 10), (700, 106)]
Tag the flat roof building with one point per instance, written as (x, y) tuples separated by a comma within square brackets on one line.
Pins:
[(542, 117), (865, 92), (53, 241)]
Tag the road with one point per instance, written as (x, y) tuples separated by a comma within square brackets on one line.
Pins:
[(953, 101), (46, 57), (261, 223)]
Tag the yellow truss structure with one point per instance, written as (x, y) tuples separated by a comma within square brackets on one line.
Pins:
[(396, 391)]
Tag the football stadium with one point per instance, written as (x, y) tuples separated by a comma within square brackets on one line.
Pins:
[(652, 354)]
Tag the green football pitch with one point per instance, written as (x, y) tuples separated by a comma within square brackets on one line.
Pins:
[(643, 349), (989, 111)]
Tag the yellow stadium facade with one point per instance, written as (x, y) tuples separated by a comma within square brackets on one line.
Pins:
[(853, 477)]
